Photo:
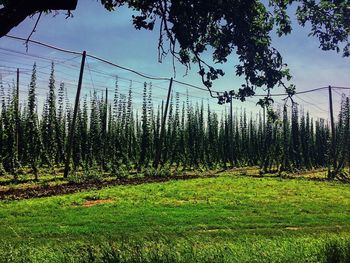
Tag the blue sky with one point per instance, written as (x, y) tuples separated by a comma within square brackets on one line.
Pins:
[(111, 35)]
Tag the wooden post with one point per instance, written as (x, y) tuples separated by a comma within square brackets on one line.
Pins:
[(106, 113), (72, 128), (162, 132), (333, 157), (105, 117), (231, 133), (17, 112)]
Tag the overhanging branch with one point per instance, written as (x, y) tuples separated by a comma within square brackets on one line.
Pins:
[(14, 13)]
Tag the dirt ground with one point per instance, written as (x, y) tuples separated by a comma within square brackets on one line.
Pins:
[(67, 188)]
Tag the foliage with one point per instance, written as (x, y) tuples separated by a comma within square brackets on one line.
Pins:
[(32, 134), (88, 175), (226, 27), (113, 139), (243, 28)]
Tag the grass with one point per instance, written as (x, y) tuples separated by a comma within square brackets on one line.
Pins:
[(224, 219)]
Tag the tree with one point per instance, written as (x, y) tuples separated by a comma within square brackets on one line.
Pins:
[(343, 136), (61, 126), (50, 122), (295, 148), (32, 130), (95, 131), (285, 164), (224, 26), (1, 128), (9, 133)]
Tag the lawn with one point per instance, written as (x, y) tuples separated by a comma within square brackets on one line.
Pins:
[(230, 218)]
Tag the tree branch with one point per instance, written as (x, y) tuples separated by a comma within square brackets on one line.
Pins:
[(34, 29), (17, 11)]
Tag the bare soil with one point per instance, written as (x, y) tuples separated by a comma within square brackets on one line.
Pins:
[(68, 188)]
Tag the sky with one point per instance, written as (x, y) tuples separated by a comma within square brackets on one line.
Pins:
[(110, 35)]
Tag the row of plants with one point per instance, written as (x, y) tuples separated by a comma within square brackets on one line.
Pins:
[(116, 137)]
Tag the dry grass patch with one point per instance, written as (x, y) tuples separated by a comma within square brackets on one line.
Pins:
[(89, 203)]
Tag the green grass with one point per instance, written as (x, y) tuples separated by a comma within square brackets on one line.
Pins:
[(225, 219)]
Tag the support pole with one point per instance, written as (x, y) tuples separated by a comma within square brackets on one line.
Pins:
[(72, 128), (17, 112), (105, 146), (162, 132), (106, 114), (231, 133), (333, 158)]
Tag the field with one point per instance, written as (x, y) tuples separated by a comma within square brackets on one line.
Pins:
[(149, 185), (234, 217), (106, 157)]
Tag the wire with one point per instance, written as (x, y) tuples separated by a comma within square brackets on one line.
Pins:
[(311, 104), (92, 82), (334, 87), (107, 62), (151, 77), (45, 45), (192, 86), (286, 94), (127, 69), (340, 94)]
